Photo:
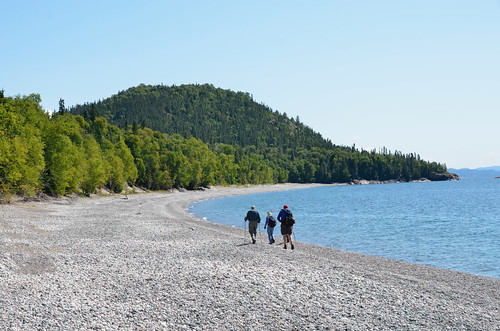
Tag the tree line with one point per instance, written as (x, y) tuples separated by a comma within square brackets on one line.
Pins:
[(64, 153)]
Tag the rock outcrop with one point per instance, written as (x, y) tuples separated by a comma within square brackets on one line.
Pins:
[(440, 176)]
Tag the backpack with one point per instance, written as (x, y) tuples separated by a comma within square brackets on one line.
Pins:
[(253, 216), (289, 219), (271, 222)]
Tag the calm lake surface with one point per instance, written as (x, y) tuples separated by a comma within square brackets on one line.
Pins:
[(452, 225)]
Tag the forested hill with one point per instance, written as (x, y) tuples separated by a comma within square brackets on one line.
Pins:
[(245, 143), (288, 149), (211, 114)]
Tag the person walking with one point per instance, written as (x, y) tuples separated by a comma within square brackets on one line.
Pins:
[(285, 217), (270, 224), (253, 219)]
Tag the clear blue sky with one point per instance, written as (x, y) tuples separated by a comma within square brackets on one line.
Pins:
[(414, 76)]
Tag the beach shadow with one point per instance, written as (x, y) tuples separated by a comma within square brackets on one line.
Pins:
[(245, 244)]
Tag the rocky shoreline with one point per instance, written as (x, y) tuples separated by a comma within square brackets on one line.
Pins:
[(144, 263)]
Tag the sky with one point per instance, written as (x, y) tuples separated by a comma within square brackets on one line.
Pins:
[(411, 76)]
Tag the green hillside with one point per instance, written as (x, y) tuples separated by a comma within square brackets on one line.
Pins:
[(243, 143), (293, 151), (211, 114)]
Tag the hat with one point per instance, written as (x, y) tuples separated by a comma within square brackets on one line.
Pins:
[(269, 213), (253, 207), (285, 206)]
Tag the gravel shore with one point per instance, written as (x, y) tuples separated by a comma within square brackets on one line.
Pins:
[(145, 263)]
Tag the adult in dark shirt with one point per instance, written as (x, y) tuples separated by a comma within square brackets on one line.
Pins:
[(286, 229), (253, 219)]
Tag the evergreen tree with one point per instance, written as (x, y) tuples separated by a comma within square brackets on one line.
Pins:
[(62, 107)]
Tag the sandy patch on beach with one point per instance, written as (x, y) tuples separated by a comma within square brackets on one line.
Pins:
[(145, 263)]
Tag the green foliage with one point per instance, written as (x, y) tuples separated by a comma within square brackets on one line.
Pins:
[(211, 137), (210, 114), (64, 155), (253, 144), (94, 173), (21, 146), (124, 154), (60, 155)]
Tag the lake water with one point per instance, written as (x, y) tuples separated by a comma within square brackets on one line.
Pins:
[(452, 225)]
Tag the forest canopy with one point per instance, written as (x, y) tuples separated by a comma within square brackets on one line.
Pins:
[(190, 136)]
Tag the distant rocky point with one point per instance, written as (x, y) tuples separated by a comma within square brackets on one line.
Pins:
[(441, 176), (434, 177)]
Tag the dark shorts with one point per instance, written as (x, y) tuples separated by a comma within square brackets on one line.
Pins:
[(286, 229), (252, 227)]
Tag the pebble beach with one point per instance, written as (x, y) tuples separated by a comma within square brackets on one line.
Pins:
[(142, 262)]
